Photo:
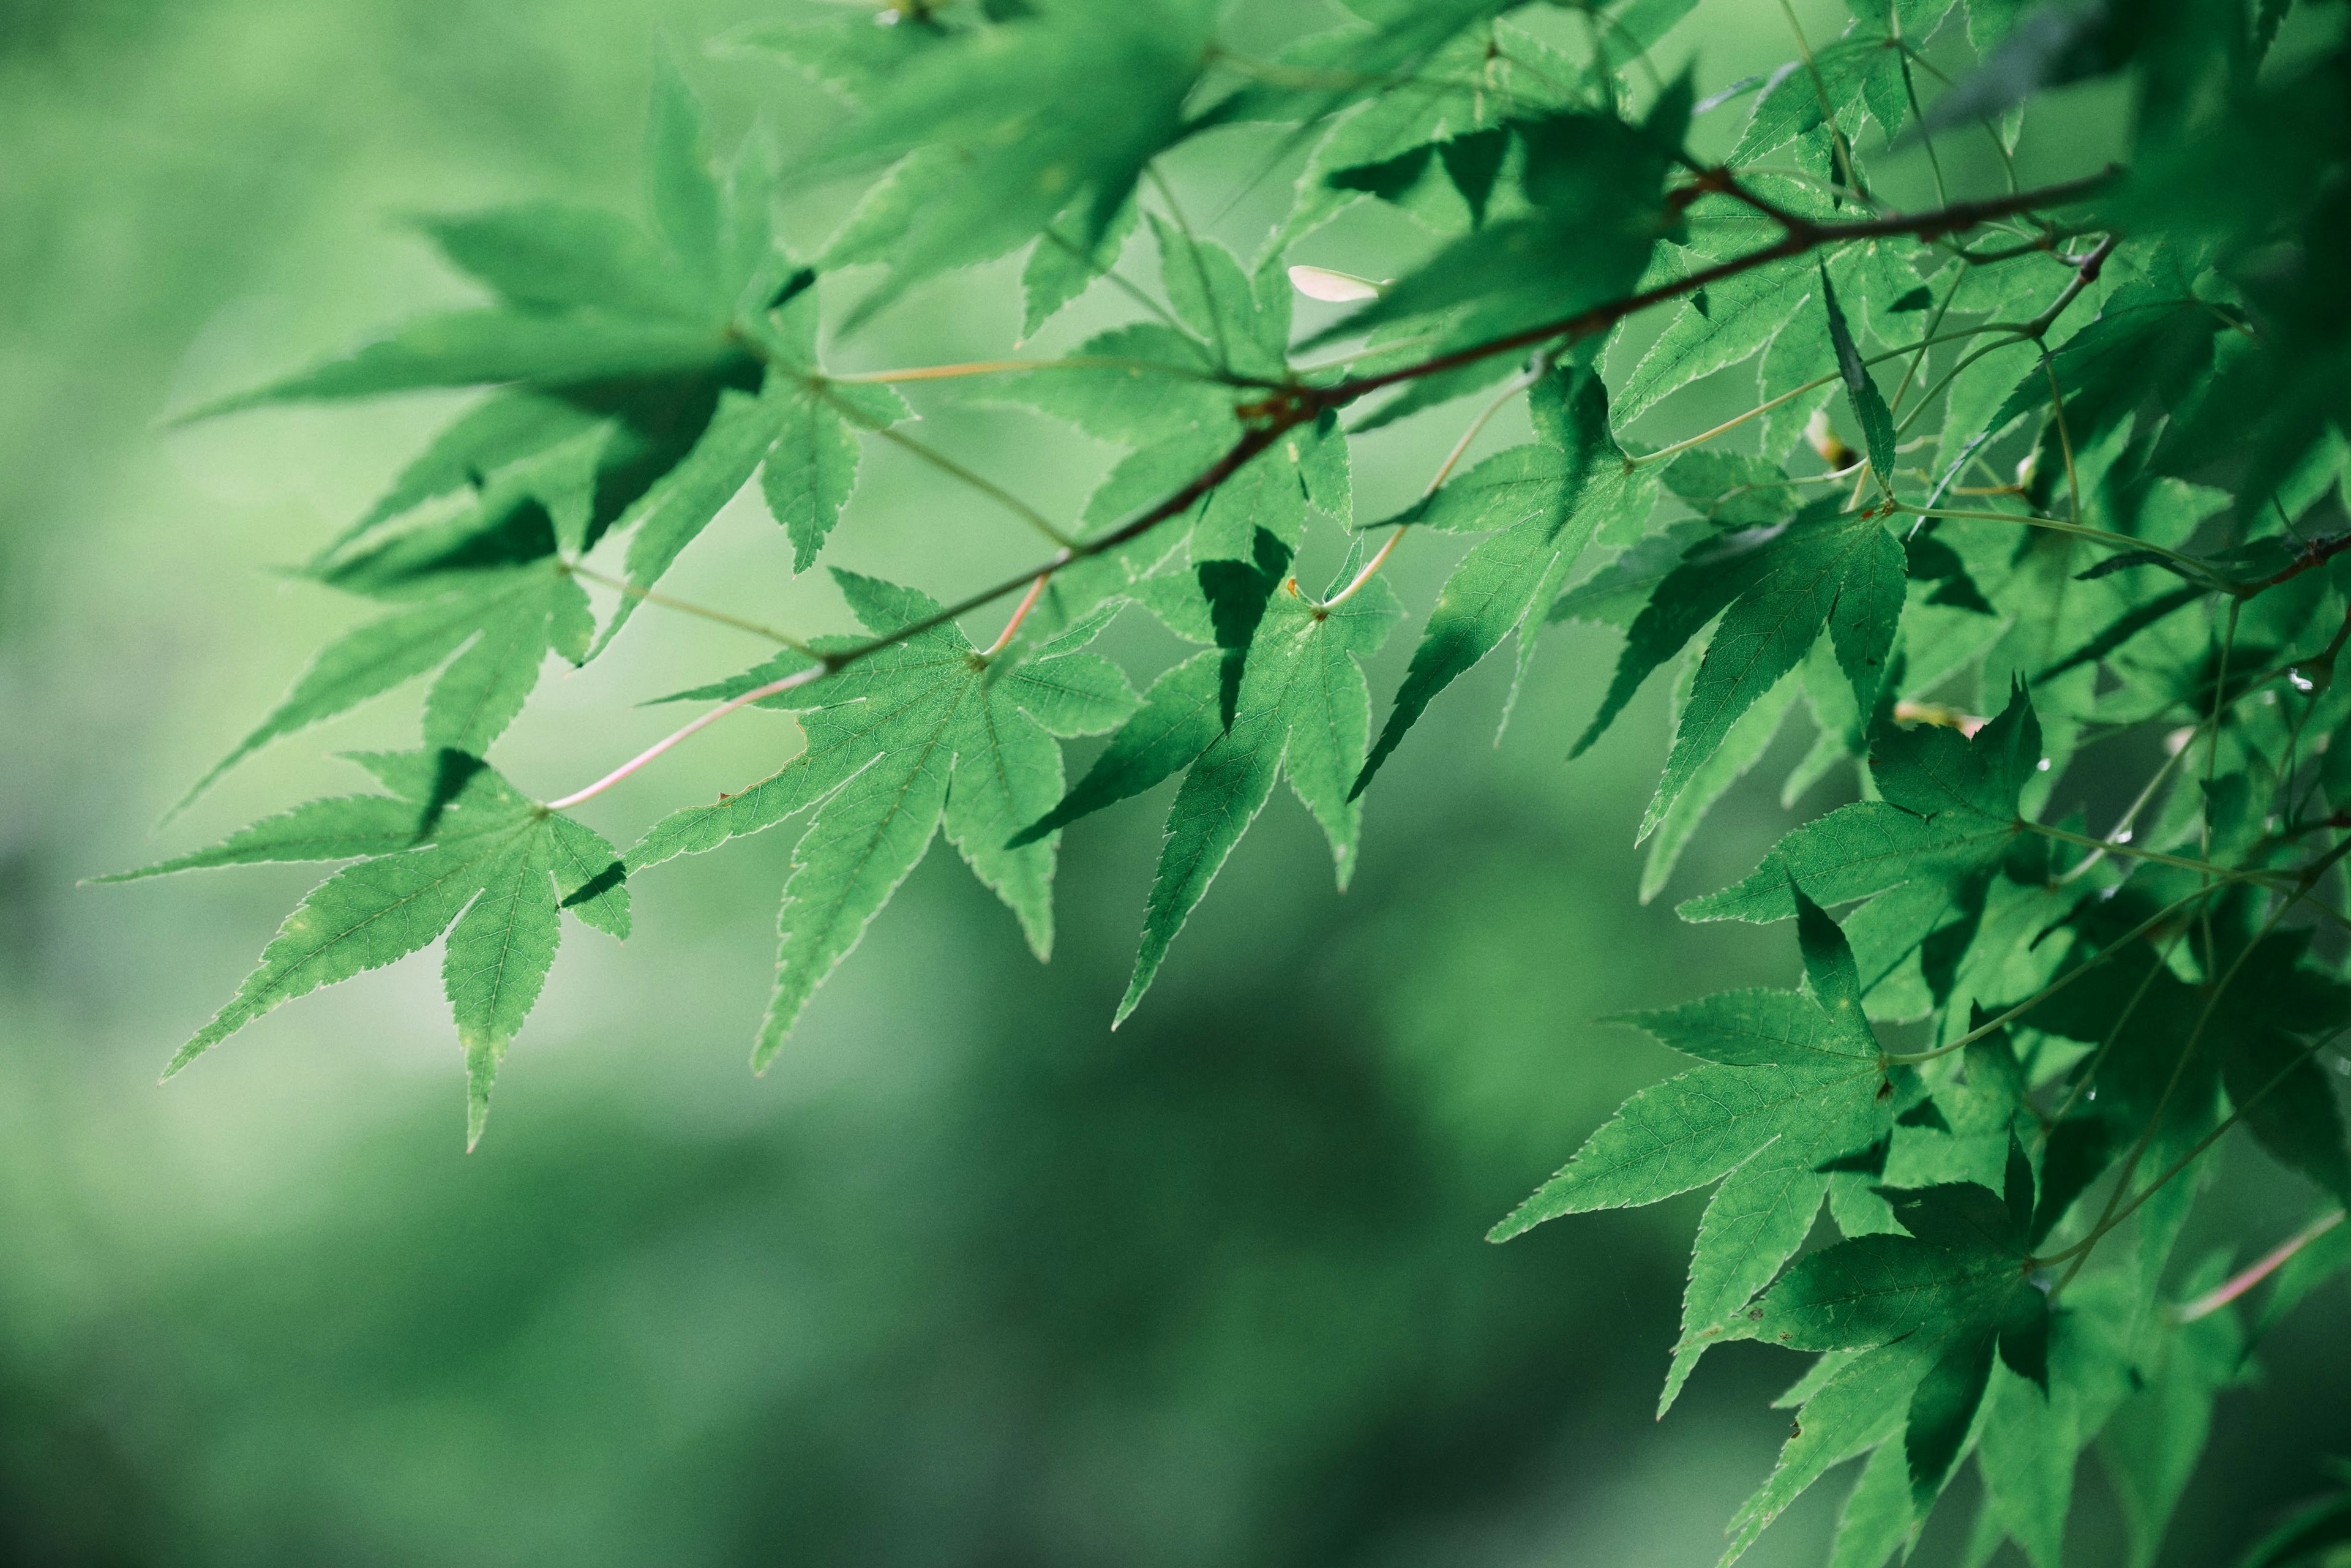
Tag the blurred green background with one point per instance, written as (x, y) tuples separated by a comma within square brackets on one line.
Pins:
[(966, 1279)]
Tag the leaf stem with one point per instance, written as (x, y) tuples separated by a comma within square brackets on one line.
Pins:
[(2089, 1074), (1538, 368), (2079, 1252), (2220, 1295), (986, 487), (1111, 275), (797, 678), (1019, 614), (1918, 113), (2277, 879), (1934, 325), (650, 597), (2064, 439), (1837, 143), (1733, 423), (1911, 1059), (2078, 530), (2113, 840), (1208, 301)]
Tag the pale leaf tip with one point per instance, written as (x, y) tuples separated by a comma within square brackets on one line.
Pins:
[(1331, 286)]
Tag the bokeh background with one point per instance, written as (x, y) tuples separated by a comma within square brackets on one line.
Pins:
[(966, 1279)]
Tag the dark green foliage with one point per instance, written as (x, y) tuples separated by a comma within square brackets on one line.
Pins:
[(2092, 500)]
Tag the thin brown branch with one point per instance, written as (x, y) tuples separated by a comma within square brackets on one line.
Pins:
[(1283, 409)]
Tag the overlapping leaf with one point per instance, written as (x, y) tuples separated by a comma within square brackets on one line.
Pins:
[(1299, 711), (1594, 196), (929, 731), (1545, 502), (452, 849), (993, 132), (1776, 590), (1793, 1085)]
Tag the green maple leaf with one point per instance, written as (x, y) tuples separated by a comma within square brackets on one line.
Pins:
[(1869, 403), (1926, 1311), (1731, 321), (2154, 1437), (1793, 1085), (1947, 811), (453, 849), (1850, 1404), (1060, 268), (995, 132), (2030, 1436), (1860, 73), (797, 433), (1391, 48), (1593, 185), (587, 435), (929, 731), (1298, 710), (504, 620), (1167, 398), (2142, 345), (1415, 145), (585, 297), (2256, 1044), (2270, 1070), (1775, 591), (1546, 501)]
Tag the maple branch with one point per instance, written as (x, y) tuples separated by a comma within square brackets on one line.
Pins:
[(1285, 408), (1803, 235), (1010, 367), (2314, 554)]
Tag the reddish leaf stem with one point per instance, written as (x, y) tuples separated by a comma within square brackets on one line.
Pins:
[(2220, 1295)]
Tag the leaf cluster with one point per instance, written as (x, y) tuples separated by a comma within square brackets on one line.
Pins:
[(2035, 518)]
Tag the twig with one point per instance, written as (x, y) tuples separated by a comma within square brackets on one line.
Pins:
[(1009, 367), (667, 602), (1286, 407), (1806, 236)]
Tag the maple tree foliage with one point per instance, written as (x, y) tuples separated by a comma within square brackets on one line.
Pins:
[(2090, 493)]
